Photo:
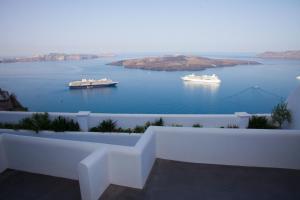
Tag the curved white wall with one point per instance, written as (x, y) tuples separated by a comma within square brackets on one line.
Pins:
[(46, 156), (93, 174)]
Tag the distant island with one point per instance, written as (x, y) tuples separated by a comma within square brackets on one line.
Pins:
[(280, 55), (54, 57), (179, 63)]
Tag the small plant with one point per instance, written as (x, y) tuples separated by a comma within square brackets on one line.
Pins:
[(260, 122), (232, 126), (105, 126), (281, 114), (159, 122), (197, 126), (37, 122), (139, 129), (9, 126), (177, 125), (123, 130), (63, 124), (147, 124)]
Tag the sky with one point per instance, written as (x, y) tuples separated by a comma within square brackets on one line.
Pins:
[(127, 26)]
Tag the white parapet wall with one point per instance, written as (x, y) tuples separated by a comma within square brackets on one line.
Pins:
[(243, 147), (46, 156), (88, 120), (3, 160), (123, 139), (293, 102), (95, 165)]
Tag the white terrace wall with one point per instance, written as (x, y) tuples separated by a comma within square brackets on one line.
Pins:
[(244, 147), (130, 166), (294, 105), (88, 120), (15, 116), (45, 156), (123, 139), (3, 160), (94, 165), (131, 120)]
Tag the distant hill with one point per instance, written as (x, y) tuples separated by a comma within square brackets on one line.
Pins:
[(280, 55), (179, 63), (54, 57)]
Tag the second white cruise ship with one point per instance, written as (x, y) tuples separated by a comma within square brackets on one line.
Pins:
[(202, 79), (92, 83)]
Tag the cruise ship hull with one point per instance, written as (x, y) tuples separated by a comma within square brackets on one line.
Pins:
[(93, 86), (200, 81)]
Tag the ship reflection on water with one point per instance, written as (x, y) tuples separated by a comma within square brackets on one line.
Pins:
[(211, 87), (91, 92)]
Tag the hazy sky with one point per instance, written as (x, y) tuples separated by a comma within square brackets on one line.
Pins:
[(93, 26)]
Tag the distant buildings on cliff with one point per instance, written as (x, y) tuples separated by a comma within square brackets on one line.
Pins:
[(54, 57)]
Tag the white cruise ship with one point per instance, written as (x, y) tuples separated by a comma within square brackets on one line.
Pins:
[(298, 77), (92, 83), (202, 79)]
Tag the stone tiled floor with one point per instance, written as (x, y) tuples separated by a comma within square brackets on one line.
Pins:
[(17, 185), (182, 181), (168, 180)]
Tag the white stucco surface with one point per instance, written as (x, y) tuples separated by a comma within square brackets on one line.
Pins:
[(294, 105), (124, 139), (46, 156), (243, 147), (3, 160), (94, 174)]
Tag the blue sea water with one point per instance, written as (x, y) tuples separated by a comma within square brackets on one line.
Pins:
[(43, 86)]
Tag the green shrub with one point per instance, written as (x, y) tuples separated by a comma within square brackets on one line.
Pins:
[(259, 122), (63, 124), (159, 122), (197, 126), (232, 126), (176, 125), (105, 126), (139, 129), (94, 129), (147, 124), (123, 130), (111, 126), (280, 114), (36, 122), (9, 126)]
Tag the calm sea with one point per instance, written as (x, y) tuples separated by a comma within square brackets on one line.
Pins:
[(43, 86)]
